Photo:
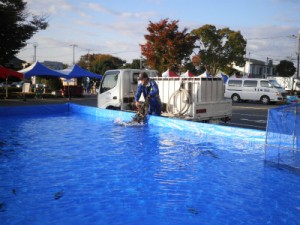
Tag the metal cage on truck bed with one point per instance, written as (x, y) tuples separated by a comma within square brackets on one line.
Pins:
[(194, 98)]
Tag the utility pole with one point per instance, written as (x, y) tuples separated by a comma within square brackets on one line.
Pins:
[(141, 62), (266, 71), (298, 53), (245, 57), (249, 69), (34, 55), (73, 45), (89, 58)]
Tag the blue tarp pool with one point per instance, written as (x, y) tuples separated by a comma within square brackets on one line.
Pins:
[(70, 164)]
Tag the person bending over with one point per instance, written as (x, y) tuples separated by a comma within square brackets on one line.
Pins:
[(150, 91)]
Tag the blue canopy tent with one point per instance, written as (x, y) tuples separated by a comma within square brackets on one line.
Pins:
[(77, 72), (38, 69)]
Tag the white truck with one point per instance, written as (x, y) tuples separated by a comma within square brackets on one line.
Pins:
[(290, 84), (189, 98)]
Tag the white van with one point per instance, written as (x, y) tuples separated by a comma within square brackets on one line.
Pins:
[(263, 90)]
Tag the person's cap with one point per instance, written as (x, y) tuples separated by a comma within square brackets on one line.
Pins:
[(143, 75)]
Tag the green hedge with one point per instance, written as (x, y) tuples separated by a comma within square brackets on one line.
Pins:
[(10, 89)]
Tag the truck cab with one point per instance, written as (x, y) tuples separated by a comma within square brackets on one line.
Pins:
[(117, 88)]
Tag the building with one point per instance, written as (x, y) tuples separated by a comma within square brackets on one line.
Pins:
[(54, 65), (256, 68)]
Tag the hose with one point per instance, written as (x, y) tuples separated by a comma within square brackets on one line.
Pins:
[(184, 102)]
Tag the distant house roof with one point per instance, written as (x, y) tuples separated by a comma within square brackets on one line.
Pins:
[(15, 63), (255, 61)]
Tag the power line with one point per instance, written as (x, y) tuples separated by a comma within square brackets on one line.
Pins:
[(264, 38)]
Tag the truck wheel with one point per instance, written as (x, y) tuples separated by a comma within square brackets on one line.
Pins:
[(235, 98), (113, 108), (265, 100)]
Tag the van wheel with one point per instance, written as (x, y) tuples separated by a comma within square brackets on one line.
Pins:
[(235, 98), (265, 100)]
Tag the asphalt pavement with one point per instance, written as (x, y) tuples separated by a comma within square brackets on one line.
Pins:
[(250, 115)]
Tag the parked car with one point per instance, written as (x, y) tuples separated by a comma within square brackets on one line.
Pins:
[(17, 84), (3, 84)]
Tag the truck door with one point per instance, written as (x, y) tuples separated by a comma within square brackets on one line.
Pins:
[(128, 88), (250, 90), (108, 96)]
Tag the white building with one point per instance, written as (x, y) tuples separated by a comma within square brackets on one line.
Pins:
[(256, 68)]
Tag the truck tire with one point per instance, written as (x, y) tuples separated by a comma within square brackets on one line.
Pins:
[(265, 100), (236, 98), (113, 108)]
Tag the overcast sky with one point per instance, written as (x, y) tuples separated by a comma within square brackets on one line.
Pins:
[(117, 27)]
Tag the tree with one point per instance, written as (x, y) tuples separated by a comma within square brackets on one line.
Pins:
[(136, 64), (166, 47), (16, 28), (220, 48), (285, 68), (99, 63)]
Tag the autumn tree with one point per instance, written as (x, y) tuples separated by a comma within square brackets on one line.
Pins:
[(17, 26), (136, 64), (285, 68), (166, 47), (220, 48), (99, 63)]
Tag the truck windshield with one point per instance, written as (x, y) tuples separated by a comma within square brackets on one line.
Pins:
[(109, 81), (274, 84)]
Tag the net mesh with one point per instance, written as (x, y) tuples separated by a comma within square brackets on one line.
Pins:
[(283, 136)]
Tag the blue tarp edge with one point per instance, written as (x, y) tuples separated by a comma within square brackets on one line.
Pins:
[(201, 128)]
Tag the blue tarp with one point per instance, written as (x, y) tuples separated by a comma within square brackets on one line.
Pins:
[(225, 78), (248, 136), (38, 69), (76, 72)]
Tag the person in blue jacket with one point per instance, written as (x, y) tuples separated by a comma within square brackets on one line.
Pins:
[(150, 90)]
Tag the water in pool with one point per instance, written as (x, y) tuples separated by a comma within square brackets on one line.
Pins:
[(75, 169)]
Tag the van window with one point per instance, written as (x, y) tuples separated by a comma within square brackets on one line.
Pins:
[(250, 83), (265, 83), (109, 81), (235, 83), (274, 83)]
